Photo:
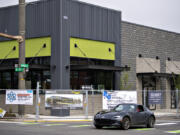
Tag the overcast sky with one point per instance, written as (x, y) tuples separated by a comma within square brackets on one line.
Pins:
[(162, 14)]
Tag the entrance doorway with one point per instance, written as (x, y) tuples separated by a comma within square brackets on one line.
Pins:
[(148, 84), (173, 93)]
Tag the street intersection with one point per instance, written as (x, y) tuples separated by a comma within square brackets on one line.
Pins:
[(162, 127)]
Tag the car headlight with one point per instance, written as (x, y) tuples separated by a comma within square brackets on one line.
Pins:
[(97, 115), (118, 117)]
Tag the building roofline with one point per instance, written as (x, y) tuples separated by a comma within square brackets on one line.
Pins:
[(76, 1), (90, 4), (141, 25)]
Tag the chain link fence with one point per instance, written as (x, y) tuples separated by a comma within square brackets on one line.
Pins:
[(81, 103)]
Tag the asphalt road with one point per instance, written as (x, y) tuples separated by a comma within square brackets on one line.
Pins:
[(163, 127)]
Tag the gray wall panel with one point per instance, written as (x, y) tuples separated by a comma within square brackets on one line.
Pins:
[(9, 21), (104, 25), (74, 17)]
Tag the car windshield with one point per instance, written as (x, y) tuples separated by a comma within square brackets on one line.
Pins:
[(125, 108)]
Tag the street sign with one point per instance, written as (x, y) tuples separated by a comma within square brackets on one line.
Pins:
[(19, 69), (16, 65), (24, 65)]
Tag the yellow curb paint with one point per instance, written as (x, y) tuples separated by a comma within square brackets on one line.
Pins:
[(54, 124), (29, 123), (58, 121), (81, 126)]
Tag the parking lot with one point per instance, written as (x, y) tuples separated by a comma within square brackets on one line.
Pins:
[(162, 127)]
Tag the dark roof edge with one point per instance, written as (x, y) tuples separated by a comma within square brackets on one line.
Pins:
[(141, 25), (90, 4), (11, 6), (77, 1), (27, 3)]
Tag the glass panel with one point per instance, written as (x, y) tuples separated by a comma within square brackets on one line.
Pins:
[(99, 79), (6, 80), (85, 61), (46, 80)]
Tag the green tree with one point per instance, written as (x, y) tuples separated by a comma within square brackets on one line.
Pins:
[(177, 82), (124, 81)]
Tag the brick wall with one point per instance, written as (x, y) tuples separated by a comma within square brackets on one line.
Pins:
[(150, 42)]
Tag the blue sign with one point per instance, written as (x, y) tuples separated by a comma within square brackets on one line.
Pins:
[(11, 96), (155, 97), (108, 96)]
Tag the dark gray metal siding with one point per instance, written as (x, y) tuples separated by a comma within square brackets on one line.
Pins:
[(90, 22), (9, 21), (46, 18)]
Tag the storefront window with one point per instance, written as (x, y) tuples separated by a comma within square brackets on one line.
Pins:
[(99, 79), (9, 78)]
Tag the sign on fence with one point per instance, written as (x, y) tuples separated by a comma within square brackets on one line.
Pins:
[(20, 97), (155, 97), (2, 113), (72, 101), (111, 99)]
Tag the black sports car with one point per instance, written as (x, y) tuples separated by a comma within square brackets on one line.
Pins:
[(124, 116)]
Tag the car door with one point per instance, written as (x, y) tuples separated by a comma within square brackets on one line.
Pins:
[(132, 113), (140, 115)]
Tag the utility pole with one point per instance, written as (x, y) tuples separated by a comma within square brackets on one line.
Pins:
[(21, 75)]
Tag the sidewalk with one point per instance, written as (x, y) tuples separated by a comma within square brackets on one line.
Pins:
[(42, 118), (167, 115)]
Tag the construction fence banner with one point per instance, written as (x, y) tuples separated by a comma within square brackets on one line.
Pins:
[(155, 97), (19, 97), (111, 99), (2, 113), (61, 101)]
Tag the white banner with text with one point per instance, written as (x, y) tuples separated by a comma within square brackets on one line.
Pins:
[(113, 98), (19, 97)]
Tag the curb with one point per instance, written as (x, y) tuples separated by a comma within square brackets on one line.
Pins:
[(57, 120), (63, 120)]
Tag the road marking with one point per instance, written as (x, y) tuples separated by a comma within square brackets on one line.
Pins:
[(10, 122), (162, 124), (145, 129), (174, 132), (58, 120), (55, 124), (110, 127), (29, 123), (81, 126)]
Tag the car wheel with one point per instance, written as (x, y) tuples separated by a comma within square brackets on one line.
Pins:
[(98, 127), (151, 122), (126, 123)]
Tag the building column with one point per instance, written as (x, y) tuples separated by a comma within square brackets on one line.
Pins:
[(139, 90)]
